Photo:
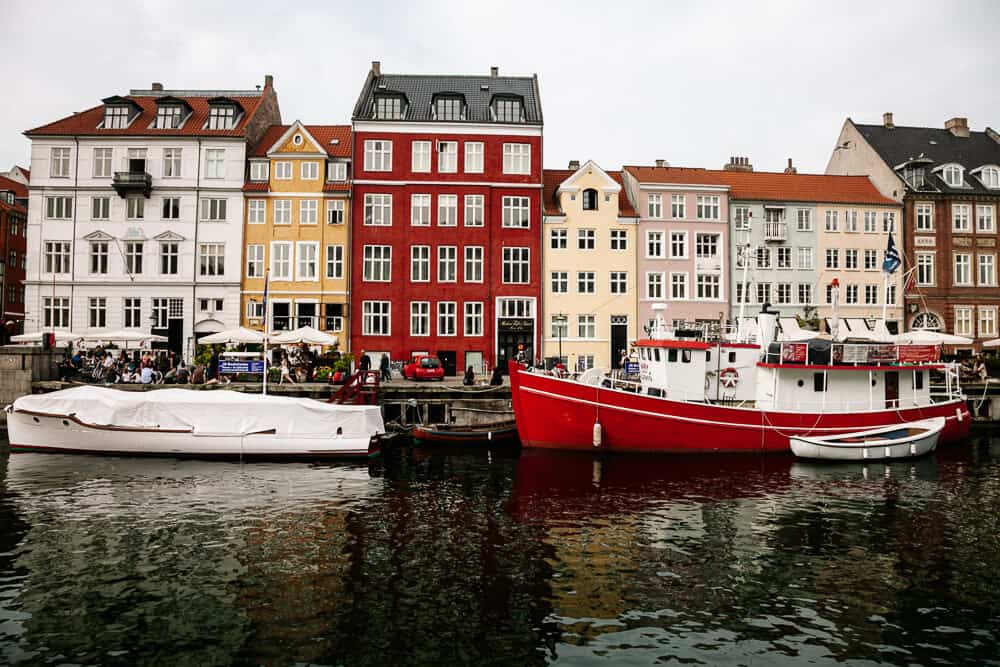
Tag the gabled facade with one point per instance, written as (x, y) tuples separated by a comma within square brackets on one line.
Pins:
[(135, 217), (297, 221), (589, 264), (446, 226), (683, 244), (948, 182)]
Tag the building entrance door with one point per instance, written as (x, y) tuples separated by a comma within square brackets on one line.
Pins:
[(448, 360), (512, 334)]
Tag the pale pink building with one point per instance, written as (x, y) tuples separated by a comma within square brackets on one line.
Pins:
[(683, 243)]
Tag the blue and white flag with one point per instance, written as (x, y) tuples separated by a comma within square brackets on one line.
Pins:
[(892, 260)]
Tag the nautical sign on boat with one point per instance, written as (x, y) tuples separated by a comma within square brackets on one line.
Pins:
[(915, 353)]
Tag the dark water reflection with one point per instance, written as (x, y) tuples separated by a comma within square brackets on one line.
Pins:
[(437, 558)]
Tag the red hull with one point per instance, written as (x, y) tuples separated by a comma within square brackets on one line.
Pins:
[(560, 414)]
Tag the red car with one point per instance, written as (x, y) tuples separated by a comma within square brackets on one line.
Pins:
[(424, 368)]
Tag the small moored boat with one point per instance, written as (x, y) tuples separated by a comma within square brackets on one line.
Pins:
[(188, 423), (899, 441), (493, 433)]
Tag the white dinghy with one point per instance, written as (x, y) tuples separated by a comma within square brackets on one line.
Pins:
[(190, 423), (898, 441)]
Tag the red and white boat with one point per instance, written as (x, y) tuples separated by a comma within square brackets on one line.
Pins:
[(750, 394)]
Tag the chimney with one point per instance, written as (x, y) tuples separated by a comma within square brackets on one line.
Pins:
[(157, 86), (958, 126), (737, 163), (790, 169), (574, 164), (376, 68), (887, 120), (662, 163), (268, 81), (494, 71)]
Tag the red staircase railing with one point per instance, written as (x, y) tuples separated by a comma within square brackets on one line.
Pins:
[(359, 389)]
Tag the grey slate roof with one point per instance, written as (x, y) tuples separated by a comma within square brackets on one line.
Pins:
[(420, 89), (900, 144)]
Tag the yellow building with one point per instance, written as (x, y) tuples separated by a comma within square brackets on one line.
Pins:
[(588, 267), (297, 227)]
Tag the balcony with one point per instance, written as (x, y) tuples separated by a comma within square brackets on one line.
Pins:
[(132, 182), (775, 231)]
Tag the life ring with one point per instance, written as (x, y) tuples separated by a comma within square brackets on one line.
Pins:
[(729, 378)]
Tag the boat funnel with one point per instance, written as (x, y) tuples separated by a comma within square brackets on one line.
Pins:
[(767, 324)]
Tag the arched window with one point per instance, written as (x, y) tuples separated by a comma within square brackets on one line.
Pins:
[(926, 321), (590, 199)]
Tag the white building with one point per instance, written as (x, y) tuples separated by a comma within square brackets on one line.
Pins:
[(136, 212)]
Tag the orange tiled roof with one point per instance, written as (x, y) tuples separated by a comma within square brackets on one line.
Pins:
[(86, 122), (255, 186), (771, 186), (324, 134), (553, 178), (19, 189)]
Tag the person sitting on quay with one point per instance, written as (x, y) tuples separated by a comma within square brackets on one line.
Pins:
[(497, 378), (470, 377)]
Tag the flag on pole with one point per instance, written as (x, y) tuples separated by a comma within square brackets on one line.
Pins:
[(892, 260), (267, 281)]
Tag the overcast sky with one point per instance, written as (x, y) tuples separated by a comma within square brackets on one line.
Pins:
[(621, 83)]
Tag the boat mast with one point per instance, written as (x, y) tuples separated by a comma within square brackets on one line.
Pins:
[(741, 334), (267, 329)]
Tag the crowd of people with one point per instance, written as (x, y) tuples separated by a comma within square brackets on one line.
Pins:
[(134, 367)]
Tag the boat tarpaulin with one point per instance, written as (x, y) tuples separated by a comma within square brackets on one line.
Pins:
[(206, 412)]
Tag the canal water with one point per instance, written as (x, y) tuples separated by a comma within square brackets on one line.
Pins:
[(436, 558)]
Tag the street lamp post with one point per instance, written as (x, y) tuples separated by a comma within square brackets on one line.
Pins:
[(560, 321)]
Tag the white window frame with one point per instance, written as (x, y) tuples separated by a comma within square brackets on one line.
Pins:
[(923, 214), (259, 170), (420, 318), (59, 162), (308, 211), (420, 210), (618, 282), (256, 211), (680, 234), (516, 212), (804, 219), (654, 206), (517, 159), (655, 279), (559, 282), (281, 262), (473, 259), (926, 260), (378, 210), (961, 218), (447, 210), (334, 261), (586, 282), (309, 170), (335, 212), (709, 207), (474, 211), (103, 157), (474, 157), (985, 219), (255, 260), (420, 157), (420, 263), (100, 208), (964, 321), (447, 318), (376, 312), (986, 270), (957, 265), (172, 163), (378, 155), (213, 209), (518, 259), (215, 163), (656, 237), (281, 211), (472, 321), (680, 288), (283, 170), (987, 315), (377, 263), (447, 157), (447, 264)]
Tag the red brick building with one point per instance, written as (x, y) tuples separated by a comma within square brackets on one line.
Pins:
[(446, 218), (948, 181), (13, 251)]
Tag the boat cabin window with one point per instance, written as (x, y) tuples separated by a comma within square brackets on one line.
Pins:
[(732, 357), (708, 355), (654, 391), (656, 355), (686, 356), (672, 356), (819, 381), (918, 380)]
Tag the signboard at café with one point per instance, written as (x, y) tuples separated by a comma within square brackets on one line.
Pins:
[(516, 325), (241, 366)]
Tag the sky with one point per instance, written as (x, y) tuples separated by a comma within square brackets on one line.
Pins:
[(692, 83)]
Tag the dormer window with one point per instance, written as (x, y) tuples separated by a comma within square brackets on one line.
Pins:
[(221, 117), (169, 117), (952, 175), (508, 110), (336, 171), (590, 199), (258, 170), (990, 177), (914, 177), (116, 117), (388, 107), (449, 107)]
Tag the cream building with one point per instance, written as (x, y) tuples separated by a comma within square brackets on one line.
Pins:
[(852, 240), (589, 267)]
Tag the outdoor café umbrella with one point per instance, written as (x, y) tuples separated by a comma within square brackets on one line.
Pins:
[(62, 336), (123, 336), (232, 336), (928, 337), (307, 335), (992, 343)]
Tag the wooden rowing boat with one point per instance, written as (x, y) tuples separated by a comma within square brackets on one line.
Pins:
[(503, 432), (899, 441)]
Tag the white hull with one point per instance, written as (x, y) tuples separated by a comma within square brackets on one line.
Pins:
[(63, 434), (872, 445)]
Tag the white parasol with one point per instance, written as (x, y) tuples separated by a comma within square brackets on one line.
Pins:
[(62, 336), (928, 337), (307, 335), (232, 336)]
